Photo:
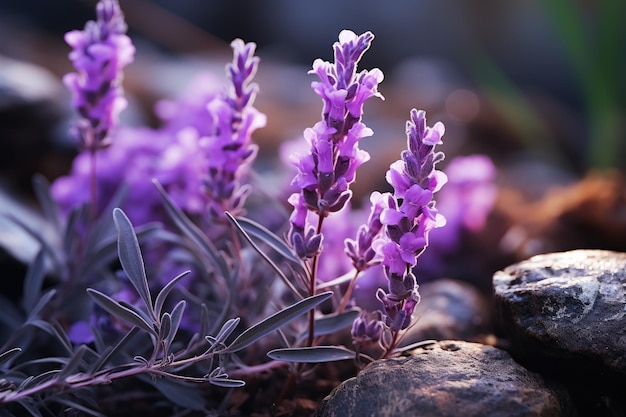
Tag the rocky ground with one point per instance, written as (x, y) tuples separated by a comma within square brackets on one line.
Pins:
[(562, 350)]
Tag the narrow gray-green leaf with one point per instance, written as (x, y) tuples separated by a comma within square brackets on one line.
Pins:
[(181, 394), (41, 187), (166, 326), (33, 281), (227, 382), (130, 257), (315, 354), (276, 321), (162, 295), (43, 301), (193, 232), (413, 346), (116, 309), (177, 316), (62, 336), (332, 323), (260, 232), (74, 363), (106, 250), (204, 320), (9, 354), (267, 259), (109, 352), (227, 329), (141, 313), (71, 238)]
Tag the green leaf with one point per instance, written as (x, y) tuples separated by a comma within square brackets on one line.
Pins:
[(43, 301), (332, 323), (118, 310), (226, 330), (315, 354), (276, 321), (41, 187), (166, 326), (131, 259), (162, 295), (176, 317), (74, 363), (182, 394), (33, 281), (61, 335), (9, 354), (267, 259), (71, 237), (109, 352), (413, 346), (227, 382), (260, 232), (193, 232)]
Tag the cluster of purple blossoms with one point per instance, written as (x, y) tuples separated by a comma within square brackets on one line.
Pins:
[(407, 216), (199, 155), (327, 170), (229, 150), (100, 52)]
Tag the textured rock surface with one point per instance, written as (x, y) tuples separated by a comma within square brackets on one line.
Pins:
[(567, 305), (449, 378), (565, 316)]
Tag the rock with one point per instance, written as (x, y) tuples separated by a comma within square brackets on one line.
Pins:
[(565, 315), (448, 378), (450, 309)]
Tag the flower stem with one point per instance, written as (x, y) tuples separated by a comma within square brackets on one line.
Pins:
[(313, 286), (348, 294)]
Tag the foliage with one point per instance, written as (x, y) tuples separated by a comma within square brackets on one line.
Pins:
[(155, 275)]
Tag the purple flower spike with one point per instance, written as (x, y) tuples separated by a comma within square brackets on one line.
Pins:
[(100, 53), (327, 170), (406, 218), (229, 148), (360, 250)]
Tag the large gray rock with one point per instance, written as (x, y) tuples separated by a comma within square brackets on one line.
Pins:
[(567, 306), (449, 378), (565, 316)]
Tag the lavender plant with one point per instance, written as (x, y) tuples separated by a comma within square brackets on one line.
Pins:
[(100, 52), (408, 215), (232, 310)]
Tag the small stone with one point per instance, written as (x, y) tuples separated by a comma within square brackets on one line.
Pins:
[(567, 305), (448, 378)]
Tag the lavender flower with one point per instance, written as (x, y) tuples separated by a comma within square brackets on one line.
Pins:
[(100, 52), (229, 150), (407, 217), (367, 329), (135, 157), (360, 251), (327, 170)]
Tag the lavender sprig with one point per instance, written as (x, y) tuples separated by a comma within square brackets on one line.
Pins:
[(327, 170), (407, 218), (100, 53), (230, 151)]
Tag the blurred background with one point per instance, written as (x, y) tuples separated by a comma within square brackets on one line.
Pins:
[(539, 77), (537, 86)]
